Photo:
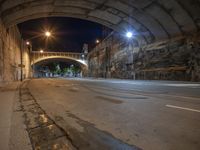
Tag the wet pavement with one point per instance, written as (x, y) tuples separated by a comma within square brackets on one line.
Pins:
[(43, 132), (54, 133)]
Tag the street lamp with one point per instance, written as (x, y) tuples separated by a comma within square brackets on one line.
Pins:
[(27, 43), (82, 56), (129, 34), (47, 34), (97, 41)]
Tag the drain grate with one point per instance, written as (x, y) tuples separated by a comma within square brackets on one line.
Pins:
[(44, 133)]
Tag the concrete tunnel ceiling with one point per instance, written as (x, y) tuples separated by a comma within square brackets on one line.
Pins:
[(151, 20)]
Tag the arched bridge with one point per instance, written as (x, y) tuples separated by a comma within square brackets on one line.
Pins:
[(38, 56)]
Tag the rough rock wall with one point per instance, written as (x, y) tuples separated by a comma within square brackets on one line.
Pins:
[(10, 56), (176, 59)]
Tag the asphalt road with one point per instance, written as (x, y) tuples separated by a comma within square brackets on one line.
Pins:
[(89, 114)]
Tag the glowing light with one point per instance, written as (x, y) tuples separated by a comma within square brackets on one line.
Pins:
[(27, 43), (41, 51), (47, 34), (129, 34), (97, 41)]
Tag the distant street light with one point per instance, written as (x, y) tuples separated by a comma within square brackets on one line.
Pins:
[(97, 41), (41, 51), (83, 56), (27, 43)]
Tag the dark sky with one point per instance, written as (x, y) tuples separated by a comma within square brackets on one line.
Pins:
[(69, 34)]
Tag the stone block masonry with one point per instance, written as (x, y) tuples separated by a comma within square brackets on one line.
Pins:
[(175, 59), (10, 55)]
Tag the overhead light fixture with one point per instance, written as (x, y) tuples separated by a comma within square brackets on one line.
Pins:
[(129, 34)]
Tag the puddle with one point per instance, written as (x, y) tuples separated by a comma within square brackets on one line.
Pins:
[(43, 118)]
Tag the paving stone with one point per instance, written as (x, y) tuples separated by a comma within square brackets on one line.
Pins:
[(58, 144), (42, 134)]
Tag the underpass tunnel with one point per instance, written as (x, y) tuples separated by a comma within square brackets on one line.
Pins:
[(110, 43), (58, 67)]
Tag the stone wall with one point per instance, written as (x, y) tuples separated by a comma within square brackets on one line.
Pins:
[(11, 45), (175, 59)]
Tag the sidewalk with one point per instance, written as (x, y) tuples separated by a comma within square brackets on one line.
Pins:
[(13, 135), (7, 96)]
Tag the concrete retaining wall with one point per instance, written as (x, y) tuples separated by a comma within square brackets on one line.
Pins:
[(10, 57), (176, 59)]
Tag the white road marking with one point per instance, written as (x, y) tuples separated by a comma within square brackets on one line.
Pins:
[(184, 108), (183, 85)]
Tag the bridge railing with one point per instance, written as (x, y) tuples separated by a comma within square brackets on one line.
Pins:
[(37, 55)]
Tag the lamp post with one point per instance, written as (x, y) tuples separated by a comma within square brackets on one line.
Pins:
[(28, 43), (129, 35), (21, 56)]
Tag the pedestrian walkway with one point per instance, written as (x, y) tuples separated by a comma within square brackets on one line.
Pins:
[(13, 135), (7, 95)]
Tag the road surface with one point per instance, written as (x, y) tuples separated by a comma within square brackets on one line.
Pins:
[(89, 114)]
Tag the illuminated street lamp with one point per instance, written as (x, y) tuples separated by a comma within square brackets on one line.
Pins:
[(27, 43), (129, 34), (97, 41), (47, 34), (82, 56), (41, 51)]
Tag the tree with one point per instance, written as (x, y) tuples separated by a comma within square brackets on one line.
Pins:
[(75, 70), (52, 67), (58, 70)]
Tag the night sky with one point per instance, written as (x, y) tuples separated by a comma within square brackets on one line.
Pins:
[(69, 34)]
